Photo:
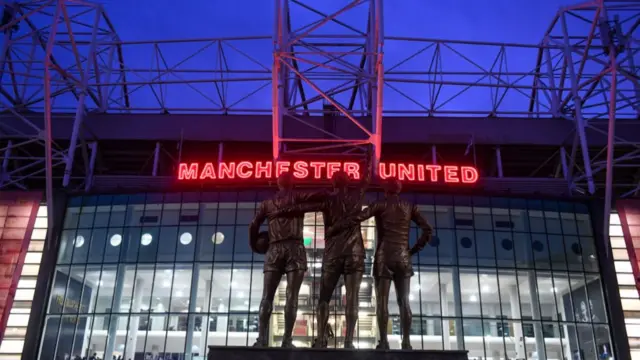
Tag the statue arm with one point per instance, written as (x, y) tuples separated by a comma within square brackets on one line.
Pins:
[(311, 196), (427, 230), (363, 215), (254, 227), (299, 209)]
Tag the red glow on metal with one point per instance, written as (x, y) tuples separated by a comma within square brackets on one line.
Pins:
[(324, 170)]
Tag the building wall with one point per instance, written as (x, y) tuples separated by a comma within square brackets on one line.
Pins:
[(168, 274), (14, 336), (626, 283)]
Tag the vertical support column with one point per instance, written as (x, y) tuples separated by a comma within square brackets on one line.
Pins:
[(93, 147), (434, 155), (514, 304), (73, 143), (444, 300), (281, 43), (4, 173), (577, 102), (537, 316), (80, 110), (375, 43), (457, 302), (611, 133), (156, 159), (47, 125), (134, 321), (191, 325), (113, 323), (204, 330), (499, 161)]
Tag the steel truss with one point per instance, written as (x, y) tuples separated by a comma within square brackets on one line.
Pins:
[(64, 57)]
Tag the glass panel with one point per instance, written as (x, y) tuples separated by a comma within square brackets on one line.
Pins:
[(148, 275)]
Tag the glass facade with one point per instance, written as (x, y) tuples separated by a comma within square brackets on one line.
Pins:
[(152, 276)]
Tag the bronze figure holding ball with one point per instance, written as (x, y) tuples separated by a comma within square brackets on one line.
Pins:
[(285, 254)]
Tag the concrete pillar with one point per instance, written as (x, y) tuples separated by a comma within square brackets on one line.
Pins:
[(457, 301), (535, 310), (444, 300), (86, 350), (134, 322), (115, 306), (204, 331), (514, 304), (191, 325)]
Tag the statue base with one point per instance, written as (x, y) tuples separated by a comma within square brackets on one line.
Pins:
[(277, 353)]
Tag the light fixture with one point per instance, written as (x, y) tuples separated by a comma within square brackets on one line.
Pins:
[(146, 239), (554, 289), (217, 238), (185, 238), (486, 288), (416, 286), (246, 302), (473, 298), (364, 285), (115, 240), (411, 297), (166, 283), (79, 241), (240, 294), (167, 271), (179, 293)]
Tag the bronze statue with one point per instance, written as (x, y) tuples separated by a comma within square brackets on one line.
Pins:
[(285, 255), (392, 260), (344, 252)]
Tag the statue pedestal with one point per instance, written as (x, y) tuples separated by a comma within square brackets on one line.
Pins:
[(275, 353)]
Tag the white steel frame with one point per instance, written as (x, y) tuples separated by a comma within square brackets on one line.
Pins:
[(67, 58)]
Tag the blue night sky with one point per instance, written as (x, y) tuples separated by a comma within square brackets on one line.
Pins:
[(504, 21), (495, 20)]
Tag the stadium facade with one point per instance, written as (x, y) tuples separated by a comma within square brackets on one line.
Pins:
[(132, 239)]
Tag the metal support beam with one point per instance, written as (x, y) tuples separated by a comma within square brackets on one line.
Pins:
[(4, 174), (156, 160), (93, 147), (313, 55), (499, 161)]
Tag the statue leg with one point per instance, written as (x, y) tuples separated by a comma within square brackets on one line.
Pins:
[(383, 285), (328, 282), (402, 284), (270, 285), (294, 281), (352, 284)]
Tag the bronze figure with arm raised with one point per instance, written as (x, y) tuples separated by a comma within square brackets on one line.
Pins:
[(392, 261), (344, 252)]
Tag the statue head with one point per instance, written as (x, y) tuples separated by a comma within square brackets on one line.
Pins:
[(392, 186), (285, 181), (340, 180)]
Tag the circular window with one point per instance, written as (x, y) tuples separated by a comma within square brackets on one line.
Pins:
[(537, 246), (185, 238), (146, 239), (115, 240), (466, 242), (435, 241), (507, 244), (576, 248), (217, 238), (79, 241)]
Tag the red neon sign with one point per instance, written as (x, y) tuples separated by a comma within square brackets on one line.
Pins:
[(324, 170)]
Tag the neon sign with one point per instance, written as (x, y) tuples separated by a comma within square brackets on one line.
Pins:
[(324, 170)]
